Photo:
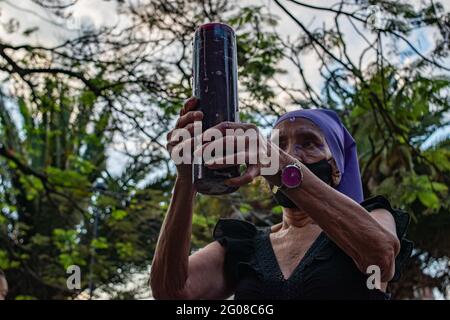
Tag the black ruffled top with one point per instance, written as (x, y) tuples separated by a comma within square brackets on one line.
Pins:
[(325, 272)]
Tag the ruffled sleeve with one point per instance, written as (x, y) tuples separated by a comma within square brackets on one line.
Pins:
[(238, 238), (402, 220)]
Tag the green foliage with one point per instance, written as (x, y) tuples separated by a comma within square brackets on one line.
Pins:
[(119, 214), (259, 53), (22, 297), (391, 155), (50, 206), (6, 263)]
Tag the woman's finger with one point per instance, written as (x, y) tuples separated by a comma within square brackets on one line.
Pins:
[(190, 128), (223, 126), (179, 148), (231, 160), (189, 117), (226, 162), (251, 173), (189, 105), (179, 135), (227, 144)]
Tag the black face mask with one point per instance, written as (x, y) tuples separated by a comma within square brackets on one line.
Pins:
[(321, 169)]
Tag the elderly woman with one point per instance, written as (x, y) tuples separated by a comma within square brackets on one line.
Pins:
[(330, 240)]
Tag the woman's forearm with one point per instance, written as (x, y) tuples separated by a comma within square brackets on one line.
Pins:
[(346, 222), (169, 269)]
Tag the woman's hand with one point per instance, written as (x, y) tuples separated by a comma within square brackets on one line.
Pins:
[(242, 143), (186, 121)]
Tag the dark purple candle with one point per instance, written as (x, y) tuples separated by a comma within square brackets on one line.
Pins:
[(215, 85)]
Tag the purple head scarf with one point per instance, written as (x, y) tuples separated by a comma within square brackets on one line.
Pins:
[(342, 147)]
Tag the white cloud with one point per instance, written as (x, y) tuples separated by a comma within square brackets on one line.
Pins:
[(53, 30)]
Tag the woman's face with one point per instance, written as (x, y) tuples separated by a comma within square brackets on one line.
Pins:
[(303, 140)]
